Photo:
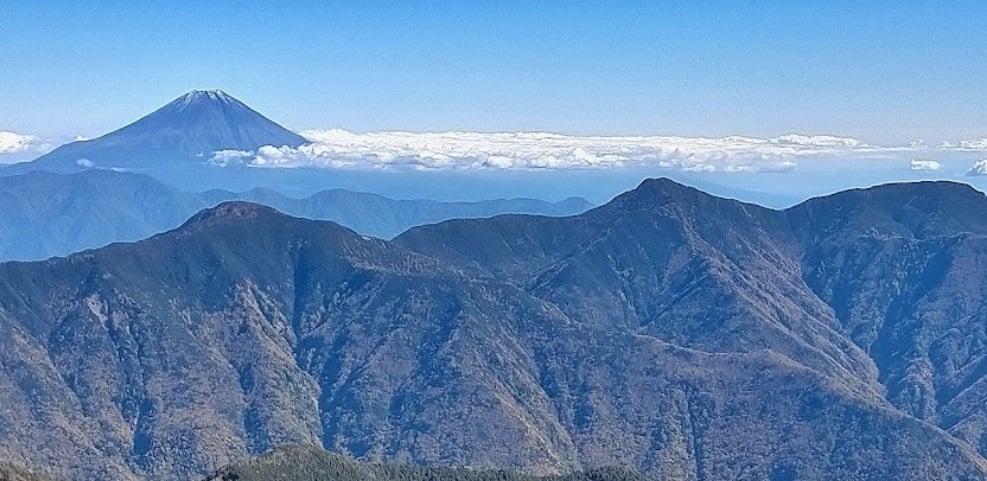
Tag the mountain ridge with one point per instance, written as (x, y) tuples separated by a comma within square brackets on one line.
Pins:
[(659, 339), (48, 214)]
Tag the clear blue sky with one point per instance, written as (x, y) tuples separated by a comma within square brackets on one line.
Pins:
[(884, 72)]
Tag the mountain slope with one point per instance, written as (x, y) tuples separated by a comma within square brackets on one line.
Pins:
[(190, 128), (12, 473), (902, 266), (668, 261), (893, 272), (246, 329), (49, 214)]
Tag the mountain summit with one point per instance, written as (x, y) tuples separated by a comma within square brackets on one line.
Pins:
[(191, 127)]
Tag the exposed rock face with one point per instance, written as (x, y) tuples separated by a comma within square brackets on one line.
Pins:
[(683, 335)]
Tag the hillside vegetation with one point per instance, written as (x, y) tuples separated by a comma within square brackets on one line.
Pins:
[(306, 463)]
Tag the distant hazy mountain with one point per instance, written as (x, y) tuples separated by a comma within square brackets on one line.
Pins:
[(47, 214), (683, 335), (382, 217), (309, 463), (190, 128)]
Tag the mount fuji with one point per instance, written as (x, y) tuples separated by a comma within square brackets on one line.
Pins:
[(190, 128)]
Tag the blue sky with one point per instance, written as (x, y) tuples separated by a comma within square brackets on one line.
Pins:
[(885, 72)]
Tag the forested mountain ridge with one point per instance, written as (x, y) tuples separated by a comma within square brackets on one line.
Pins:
[(675, 333)]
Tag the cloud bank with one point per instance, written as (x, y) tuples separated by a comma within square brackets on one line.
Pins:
[(967, 145), (12, 143), (534, 150)]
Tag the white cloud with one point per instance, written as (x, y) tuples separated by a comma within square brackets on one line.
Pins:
[(818, 141), (925, 164), (966, 145), (979, 168), (12, 143), (224, 157), (536, 150), (976, 144)]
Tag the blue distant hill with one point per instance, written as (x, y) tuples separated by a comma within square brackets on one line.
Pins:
[(47, 214)]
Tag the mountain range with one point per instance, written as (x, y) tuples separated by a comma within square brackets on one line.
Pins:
[(47, 214), (683, 335)]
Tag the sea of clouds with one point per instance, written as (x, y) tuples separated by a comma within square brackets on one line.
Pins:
[(338, 148), (342, 149)]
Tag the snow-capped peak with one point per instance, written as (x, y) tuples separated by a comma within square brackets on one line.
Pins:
[(197, 96)]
